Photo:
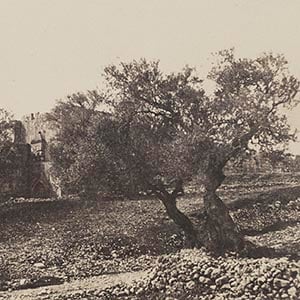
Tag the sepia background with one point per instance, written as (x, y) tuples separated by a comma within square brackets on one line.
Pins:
[(162, 198), (52, 48)]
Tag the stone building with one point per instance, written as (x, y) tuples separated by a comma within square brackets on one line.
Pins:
[(28, 173)]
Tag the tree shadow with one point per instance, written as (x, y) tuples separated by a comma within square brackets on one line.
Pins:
[(280, 225), (255, 251), (46, 210), (284, 194), (32, 212)]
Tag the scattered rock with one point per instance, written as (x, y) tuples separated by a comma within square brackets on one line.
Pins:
[(39, 265), (220, 281), (292, 291), (23, 281), (191, 285), (226, 277), (281, 283)]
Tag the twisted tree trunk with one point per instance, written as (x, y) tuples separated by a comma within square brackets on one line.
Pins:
[(223, 232), (219, 233), (180, 219)]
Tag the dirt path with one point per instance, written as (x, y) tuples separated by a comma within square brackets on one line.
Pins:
[(75, 287)]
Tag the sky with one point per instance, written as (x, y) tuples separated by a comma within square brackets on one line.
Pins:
[(52, 48)]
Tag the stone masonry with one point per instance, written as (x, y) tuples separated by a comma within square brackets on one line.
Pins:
[(29, 174)]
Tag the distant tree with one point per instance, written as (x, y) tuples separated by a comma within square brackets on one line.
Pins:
[(6, 136), (72, 121), (170, 130), (296, 165), (73, 149), (5, 128), (6, 142), (81, 163), (279, 159)]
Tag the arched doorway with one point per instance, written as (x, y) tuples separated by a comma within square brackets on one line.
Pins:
[(40, 189)]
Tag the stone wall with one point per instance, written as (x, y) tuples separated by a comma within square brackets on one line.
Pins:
[(15, 177), (37, 125), (28, 172)]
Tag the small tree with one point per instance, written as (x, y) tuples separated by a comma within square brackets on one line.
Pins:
[(82, 164), (170, 129), (5, 129), (6, 142), (73, 149)]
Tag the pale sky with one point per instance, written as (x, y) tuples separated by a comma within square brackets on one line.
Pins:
[(51, 48)]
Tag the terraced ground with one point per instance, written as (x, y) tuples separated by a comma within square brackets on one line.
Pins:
[(71, 244)]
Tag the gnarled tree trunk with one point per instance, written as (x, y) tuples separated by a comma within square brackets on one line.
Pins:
[(180, 219), (220, 233), (223, 232)]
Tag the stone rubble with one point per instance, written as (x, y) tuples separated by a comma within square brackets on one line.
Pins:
[(197, 274)]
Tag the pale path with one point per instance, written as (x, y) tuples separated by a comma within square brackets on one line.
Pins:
[(93, 283)]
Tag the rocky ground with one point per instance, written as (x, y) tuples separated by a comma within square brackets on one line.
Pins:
[(44, 243), (78, 289), (191, 273)]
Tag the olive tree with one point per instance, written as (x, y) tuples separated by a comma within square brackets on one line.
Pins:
[(164, 129), (6, 136), (169, 129), (73, 150), (81, 163), (5, 128), (6, 143)]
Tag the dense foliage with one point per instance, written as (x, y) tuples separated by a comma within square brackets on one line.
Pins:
[(5, 129), (163, 129), (6, 151), (82, 163)]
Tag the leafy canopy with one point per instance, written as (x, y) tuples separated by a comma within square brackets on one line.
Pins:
[(5, 128), (164, 128), (174, 129)]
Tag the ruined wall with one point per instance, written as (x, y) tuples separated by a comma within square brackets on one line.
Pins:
[(19, 134), (28, 172), (35, 125), (15, 177)]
